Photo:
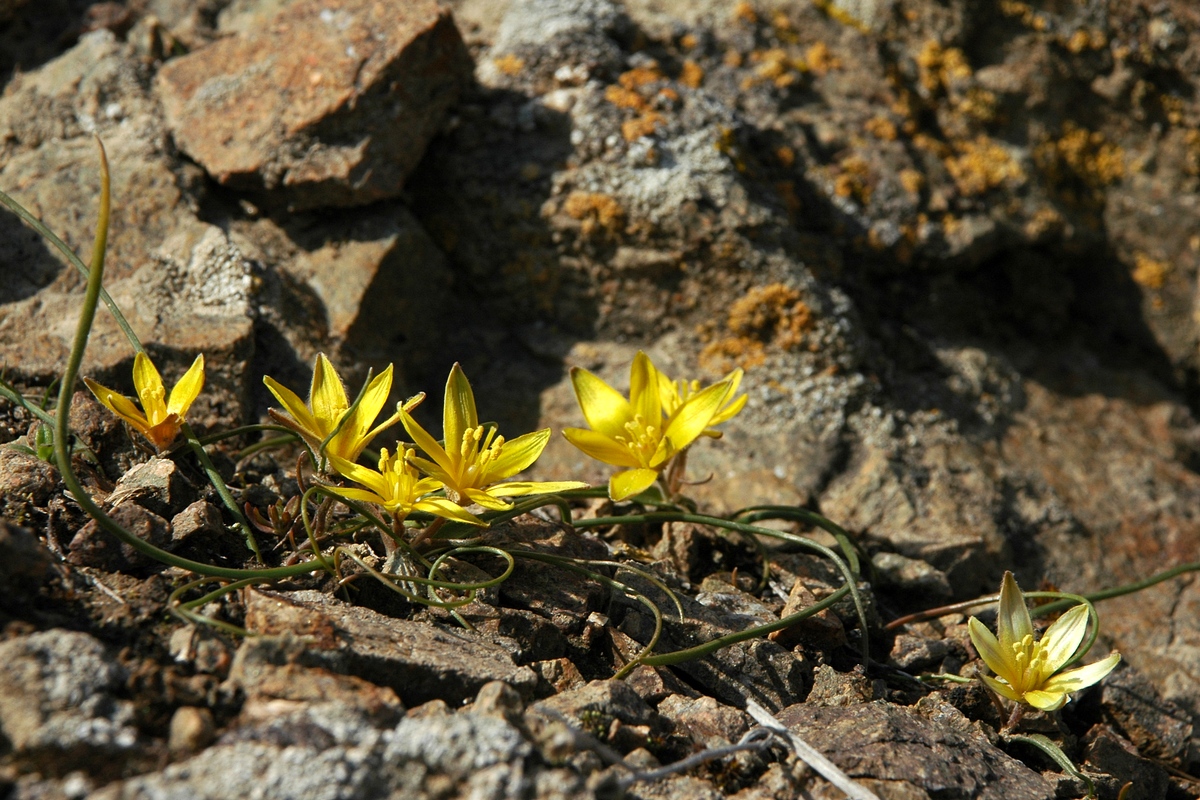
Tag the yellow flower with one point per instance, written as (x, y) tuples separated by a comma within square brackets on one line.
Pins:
[(1027, 671), (160, 419), (328, 406), (475, 459), (397, 487), (635, 433)]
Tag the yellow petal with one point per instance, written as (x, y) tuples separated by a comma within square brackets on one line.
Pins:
[(458, 411), (327, 398), (1062, 639), (119, 404), (516, 455), (601, 448), (188, 388), (605, 410), (352, 437), (444, 508), (430, 447), (293, 405), (1045, 699), (643, 389), (361, 475), (630, 482), (999, 660), (149, 386), (1002, 689), (360, 495), (165, 432), (523, 488), (695, 415), (1012, 623), (487, 500), (1075, 679), (731, 406)]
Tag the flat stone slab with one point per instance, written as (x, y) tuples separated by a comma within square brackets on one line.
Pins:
[(327, 104), (418, 661)]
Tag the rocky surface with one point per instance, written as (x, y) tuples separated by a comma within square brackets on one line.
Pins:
[(950, 242)]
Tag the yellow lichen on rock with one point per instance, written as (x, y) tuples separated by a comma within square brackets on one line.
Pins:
[(1148, 272), (597, 212), (1082, 155), (982, 164), (774, 315)]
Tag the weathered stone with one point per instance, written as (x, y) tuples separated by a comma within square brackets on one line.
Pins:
[(24, 561), (910, 575), (323, 106), (23, 475), (191, 731), (1158, 728), (59, 701), (93, 546), (200, 519), (609, 711), (417, 661), (930, 747), (704, 719), (156, 485), (823, 630), (1118, 760)]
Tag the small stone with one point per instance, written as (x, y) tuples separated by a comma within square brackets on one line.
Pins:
[(25, 476), (24, 560), (192, 729), (910, 575), (95, 547)]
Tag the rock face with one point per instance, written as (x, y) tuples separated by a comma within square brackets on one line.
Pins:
[(323, 104)]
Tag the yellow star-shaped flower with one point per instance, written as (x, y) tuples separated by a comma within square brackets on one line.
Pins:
[(327, 409), (639, 433), (1028, 670), (160, 418), (397, 487), (475, 460)]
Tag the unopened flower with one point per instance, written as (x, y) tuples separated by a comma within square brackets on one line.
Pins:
[(1028, 670), (475, 460), (398, 487), (638, 433), (328, 407), (160, 418)]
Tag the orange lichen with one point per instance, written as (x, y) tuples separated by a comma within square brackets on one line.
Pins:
[(1022, 11), (688, 41), (636, 128), (597, 212), (938, 67), (744, 12), (774, 315), (1191, 140), (509, 64), (621, 97), (777, 66), (732, 58), (1083, 155), (786, 155), (820, 59), (1086, 39), (912, 180), (1044, 220), (881, 128), (691, 74), (853, 180), (981, 164), (1149, 273)]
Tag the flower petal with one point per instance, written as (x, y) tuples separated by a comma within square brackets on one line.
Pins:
[(695, 415), (434, 471), (522, 488), (601, 447), (998, 660), (292, 404), (444, 508), (165, 432), (149, 386), (430, 447), (327, 398), (630, 482), (1081, 677), (188, 389), (1061, 640), (732, 405), (487, 500), (516, 455), (605, 410), (361, 475), (458, 411), (119, 404), (361, 495), (352, 437), (1012, 623), (1046, 699), (643, 390), (1002, 689)]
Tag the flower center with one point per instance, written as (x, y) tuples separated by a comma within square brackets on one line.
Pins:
[(480, 447), (640, 439), (1030, 660)]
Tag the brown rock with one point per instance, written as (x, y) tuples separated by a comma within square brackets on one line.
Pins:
[(326, 104), (93, 546)]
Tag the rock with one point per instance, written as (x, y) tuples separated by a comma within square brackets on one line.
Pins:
[(823, 630), (910, 576), (24, 477), (156, 485), (1158, 729), (200, 519), (706, 721), (93, 546), (191, 730), (894, 749), (24, 561), (417, 661), (60, 702), (1118, 760), (608, 711), (321, 106)]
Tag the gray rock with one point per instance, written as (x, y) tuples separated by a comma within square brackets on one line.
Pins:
[(59, 702), (24, 561), (323, 107), (93, 546), (894, 749)]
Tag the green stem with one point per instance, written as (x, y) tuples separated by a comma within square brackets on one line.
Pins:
[(62, 455), (219, 484)]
